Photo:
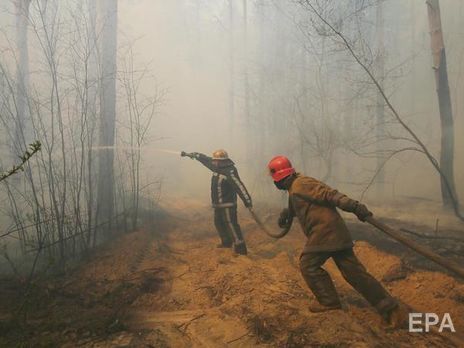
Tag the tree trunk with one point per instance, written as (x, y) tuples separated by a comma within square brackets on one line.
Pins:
[(246, 85), (93, 78), (231, 71), (413, 56), (22, 138), (304, 83), (380, 107), (105, 200), (444, 100)]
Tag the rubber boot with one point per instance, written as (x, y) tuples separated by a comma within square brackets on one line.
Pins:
[(316, 307), (223, 246), (240, 248), (398, 317)]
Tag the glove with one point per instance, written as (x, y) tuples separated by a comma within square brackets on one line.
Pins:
[(353, 206), (284, 218), (362, 212)]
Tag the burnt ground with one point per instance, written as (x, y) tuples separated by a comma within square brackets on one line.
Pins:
[(166, 285)]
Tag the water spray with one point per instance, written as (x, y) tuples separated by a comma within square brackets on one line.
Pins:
[(173, 152), (132, 148)]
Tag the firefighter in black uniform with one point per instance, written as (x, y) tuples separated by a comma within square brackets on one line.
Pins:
[(225, 185)]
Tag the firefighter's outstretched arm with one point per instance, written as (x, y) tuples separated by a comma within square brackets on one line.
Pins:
[(240, 188), (322, 194), (202, 158)]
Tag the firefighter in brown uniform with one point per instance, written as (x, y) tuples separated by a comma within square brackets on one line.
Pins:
[(314, 204), (225, 185)]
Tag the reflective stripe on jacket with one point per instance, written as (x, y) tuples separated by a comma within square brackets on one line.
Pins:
[(225, 182)]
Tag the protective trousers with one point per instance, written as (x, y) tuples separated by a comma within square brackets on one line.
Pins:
[(352, 270), (225, 220)]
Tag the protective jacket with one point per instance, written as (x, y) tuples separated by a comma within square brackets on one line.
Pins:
[(225, 182), (315, 203)]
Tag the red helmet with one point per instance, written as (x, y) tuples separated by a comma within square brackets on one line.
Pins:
[(280, 167)]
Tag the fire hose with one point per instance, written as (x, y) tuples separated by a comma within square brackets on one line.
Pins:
[(396, 235), (263, 227), (429, 254)]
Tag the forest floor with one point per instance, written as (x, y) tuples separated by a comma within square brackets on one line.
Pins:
[(167, 285)]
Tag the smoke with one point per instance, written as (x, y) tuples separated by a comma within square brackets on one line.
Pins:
[(297, 105), (258, 87)]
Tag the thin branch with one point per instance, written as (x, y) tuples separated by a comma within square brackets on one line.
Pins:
[(33, 149)]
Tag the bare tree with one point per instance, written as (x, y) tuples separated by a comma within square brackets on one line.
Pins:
[(380, 103), (53, 210), (411, 137), (246, 82), (91, 125), (141, 111), (22, 75), (444, 102), (231, 67), (105, 200)]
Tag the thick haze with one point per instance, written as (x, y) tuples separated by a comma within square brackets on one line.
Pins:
[(189, 47), (188, 42)]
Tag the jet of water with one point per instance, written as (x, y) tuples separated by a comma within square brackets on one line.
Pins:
[(168, 151), (98, 148)]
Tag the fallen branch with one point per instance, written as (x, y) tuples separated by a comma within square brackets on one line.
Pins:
[(187, 323), (238, 338)]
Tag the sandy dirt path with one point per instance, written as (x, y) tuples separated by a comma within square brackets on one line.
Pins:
[(167, 285), (261, 299)]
